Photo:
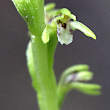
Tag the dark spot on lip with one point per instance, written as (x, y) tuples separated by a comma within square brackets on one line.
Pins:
[(64, 25), (59, 21), (71, 20), (71, 31)]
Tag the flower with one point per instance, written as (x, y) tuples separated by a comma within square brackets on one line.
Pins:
[(75, 77), (64, 23), (64, 30)]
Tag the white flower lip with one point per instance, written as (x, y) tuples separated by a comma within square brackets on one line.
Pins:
[(64, 33)]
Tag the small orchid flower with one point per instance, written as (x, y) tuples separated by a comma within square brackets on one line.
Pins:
[(64, 23), (75, 77)]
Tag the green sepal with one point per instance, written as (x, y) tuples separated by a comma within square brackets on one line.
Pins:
[(80, 26), (89, 89), (75, 69), (64, 11), (51, 13), (64, 14), (45, 34), (84, 76), (73, 17), (49, 6), (81, 76), (58, 18)]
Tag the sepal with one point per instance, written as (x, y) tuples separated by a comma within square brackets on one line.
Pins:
[(89, 89), (49, 12), (63, 11), (80, 26), (49, 6), (46, 33), (64, 14), (75, 69)]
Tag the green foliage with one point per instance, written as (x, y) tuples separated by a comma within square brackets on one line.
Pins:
[(47, 26)]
